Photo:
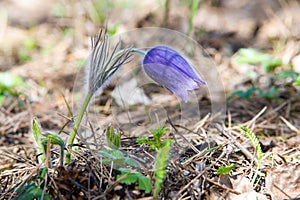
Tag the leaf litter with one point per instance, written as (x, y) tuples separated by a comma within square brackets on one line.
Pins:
[(199, 150)]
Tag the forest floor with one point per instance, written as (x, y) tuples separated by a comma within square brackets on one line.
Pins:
[(252, 130)]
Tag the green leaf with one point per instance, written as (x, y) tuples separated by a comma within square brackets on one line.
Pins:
[(147, 141), (131, 162), (113, 30), (297, 81), (287, 74), (252, 56), (9, 80), (8, 84), (35, 127), (113, 138), (43, 172), (155, 143), (259, 153), (31, 191), (158, 132), (55, 138), (244, 94), (144, 140), (112, 154), (271, 64), (144, 183), (255, 142), (161, 163), (272, 93), (226, 169), (132, 177)]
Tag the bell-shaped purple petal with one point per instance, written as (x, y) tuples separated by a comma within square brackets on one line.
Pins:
[(169, 69)]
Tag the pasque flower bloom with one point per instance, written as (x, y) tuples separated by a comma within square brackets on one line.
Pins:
[(169, 69)]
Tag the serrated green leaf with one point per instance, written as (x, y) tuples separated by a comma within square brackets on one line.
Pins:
[(259, 153), (158, 132), (132, 177), (144, 183), (226, 169), (155, 143), (255, 142), (131, 162), (112, 154), (117, 154), (144, 140), (161, 163)]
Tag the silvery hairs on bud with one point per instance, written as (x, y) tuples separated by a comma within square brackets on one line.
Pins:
[(104, 62)]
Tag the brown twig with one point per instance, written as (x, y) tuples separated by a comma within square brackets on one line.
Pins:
[(223, 187), (236, 143)]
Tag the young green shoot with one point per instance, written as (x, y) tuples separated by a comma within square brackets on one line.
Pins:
[(258, 150), (113, 138), (36, 130), (120, 161), (154, 143), (9, 84), (160, 169), (226, 169), (54, 138)]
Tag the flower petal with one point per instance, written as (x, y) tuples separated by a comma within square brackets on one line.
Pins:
[(171, 78), (166, 56), (169, 69)]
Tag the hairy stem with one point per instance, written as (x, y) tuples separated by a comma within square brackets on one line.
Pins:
[(77, 124)]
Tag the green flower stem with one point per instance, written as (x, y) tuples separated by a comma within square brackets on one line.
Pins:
[(77, 123), (134, 50)]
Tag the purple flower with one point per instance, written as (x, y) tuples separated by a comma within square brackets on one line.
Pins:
[(169, 69)]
